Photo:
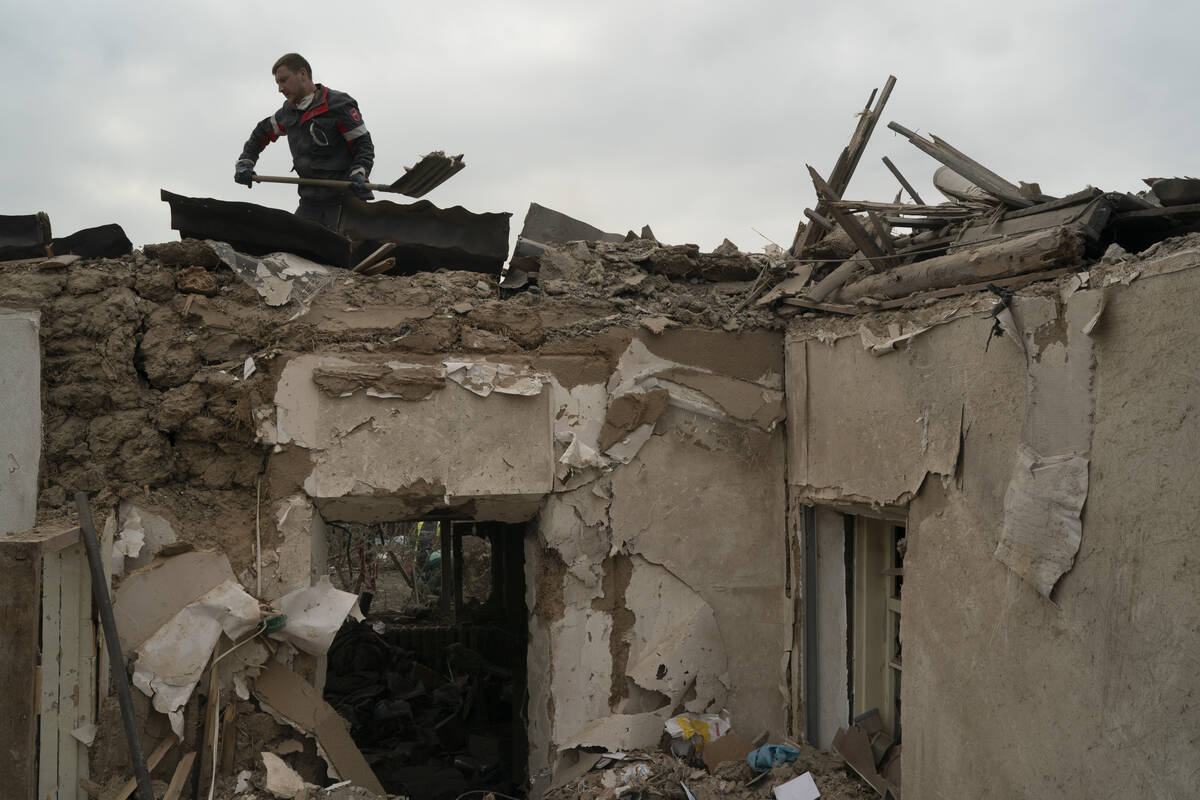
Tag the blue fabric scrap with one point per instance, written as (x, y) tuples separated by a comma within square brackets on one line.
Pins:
[(772, 755)]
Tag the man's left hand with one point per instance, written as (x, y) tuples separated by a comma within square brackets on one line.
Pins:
[(358, 185)]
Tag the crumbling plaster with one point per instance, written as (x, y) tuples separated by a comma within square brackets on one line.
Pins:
[(1008, 693), (688, 488)]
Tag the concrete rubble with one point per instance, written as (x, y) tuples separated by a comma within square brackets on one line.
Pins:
[(436, 531)]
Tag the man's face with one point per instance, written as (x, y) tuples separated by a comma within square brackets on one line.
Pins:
[(292, 85)]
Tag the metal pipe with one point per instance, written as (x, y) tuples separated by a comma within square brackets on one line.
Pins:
[(120, 677)]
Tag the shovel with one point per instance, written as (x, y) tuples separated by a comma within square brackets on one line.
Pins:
[(427, 174)]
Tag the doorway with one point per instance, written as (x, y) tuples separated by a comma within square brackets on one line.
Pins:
[(432, 679)]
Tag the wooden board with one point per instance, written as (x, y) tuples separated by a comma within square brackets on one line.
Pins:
[(175, 788), (48, 710), (68, 673), (21, 577)]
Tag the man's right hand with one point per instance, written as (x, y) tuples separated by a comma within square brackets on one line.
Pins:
[(243, 172)]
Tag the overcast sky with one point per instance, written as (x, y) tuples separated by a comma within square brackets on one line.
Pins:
[(696, 118)]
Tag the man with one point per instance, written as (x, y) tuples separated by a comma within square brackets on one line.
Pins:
[(327, 137)]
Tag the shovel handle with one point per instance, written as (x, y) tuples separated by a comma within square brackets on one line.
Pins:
[(379, 187)]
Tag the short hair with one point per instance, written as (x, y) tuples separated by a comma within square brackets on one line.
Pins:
[(293, 61)]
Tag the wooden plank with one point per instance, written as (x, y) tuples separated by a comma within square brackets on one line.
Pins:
[(175, 787), (951, 211), (49, 538), (887, 162), (208, 769), (1166, 212), (843, 169), (103, 668), (833, 308), (152, 761), (825, 223), (48, 706), (21, 577), (1015, 282), (968, 168), (379, 253), (1092, 218), (68, 672), (228, 738), (85, 712), (885, 236), (857, 233), (379, 267)]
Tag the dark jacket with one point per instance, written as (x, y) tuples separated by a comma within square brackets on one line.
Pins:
[(328, 140)]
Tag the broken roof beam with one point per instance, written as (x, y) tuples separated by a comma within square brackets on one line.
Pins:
[(951, 210), (862, 238), (887, 162), (1033, 252), (1009, 193), (839, 178)]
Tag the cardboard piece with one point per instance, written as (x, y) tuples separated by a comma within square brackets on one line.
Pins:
[(147, 599), (295, 699), (170, 662), (729, 747), (799, 788)]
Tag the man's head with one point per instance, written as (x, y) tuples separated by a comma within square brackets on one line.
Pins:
[(293, 76)]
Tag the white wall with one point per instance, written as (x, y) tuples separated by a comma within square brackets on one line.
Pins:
[(21, 412)]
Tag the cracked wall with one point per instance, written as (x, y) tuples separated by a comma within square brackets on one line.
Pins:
[(1026, 682), (657, 577), (653, 462)]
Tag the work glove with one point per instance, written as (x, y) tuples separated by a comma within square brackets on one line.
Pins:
[(358, 185), (243, 172)]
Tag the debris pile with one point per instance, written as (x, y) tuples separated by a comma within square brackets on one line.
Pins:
[(857, 256), (657, 775), (425, 734)]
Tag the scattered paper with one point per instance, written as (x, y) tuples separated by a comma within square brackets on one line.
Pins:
[(314, 615), (248, 368), (282, 781), (707, 726), (800, 788)]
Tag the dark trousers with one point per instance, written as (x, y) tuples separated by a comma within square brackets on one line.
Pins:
[(326, 212)]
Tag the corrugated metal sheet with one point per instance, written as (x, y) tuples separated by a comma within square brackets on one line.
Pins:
[(427, 174)]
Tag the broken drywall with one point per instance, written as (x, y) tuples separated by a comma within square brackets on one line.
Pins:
[(441, 451), (1042, 510), (169, 663), (21, 407), (676, 647), (294, 698), (148, 598), (703, 502), (869, 430)]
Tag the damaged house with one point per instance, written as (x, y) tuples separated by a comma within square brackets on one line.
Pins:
[(917, 490)]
